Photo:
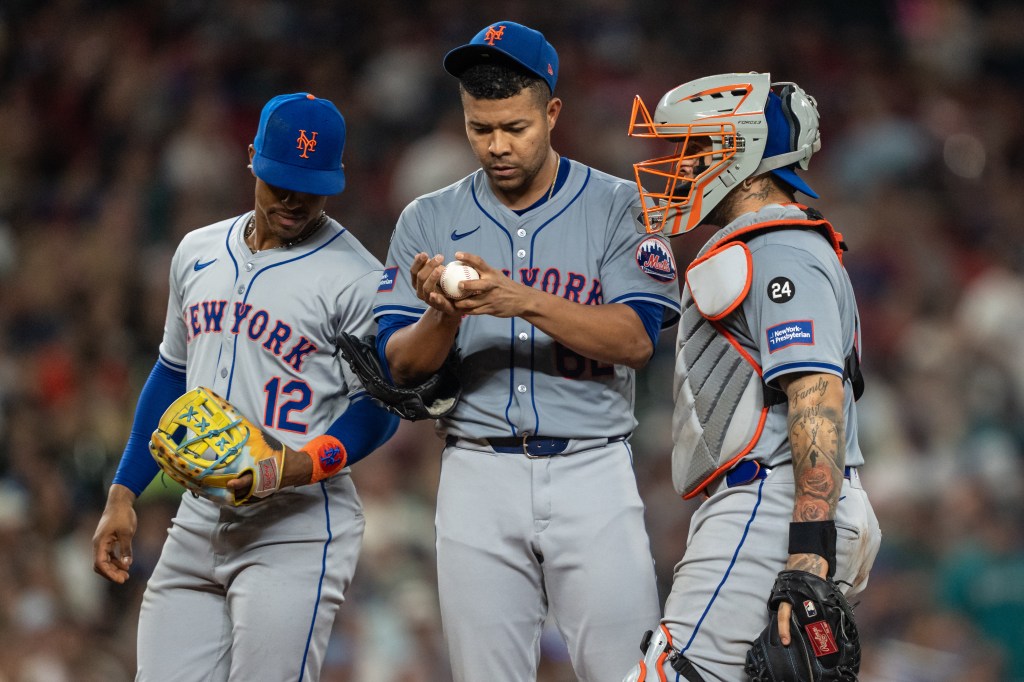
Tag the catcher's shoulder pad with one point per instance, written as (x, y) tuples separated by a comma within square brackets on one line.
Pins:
[(432, 399)]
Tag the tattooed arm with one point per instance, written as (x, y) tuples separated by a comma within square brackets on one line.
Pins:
[(817, 436)]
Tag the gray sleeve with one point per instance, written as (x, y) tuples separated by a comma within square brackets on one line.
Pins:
[(395, 294), (356, 302), (173, 347), (793, 311)]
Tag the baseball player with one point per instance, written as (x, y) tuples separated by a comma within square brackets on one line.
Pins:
[(767, 374), (256, 302), (538, 506)]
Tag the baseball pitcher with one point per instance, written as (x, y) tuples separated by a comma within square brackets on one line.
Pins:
[(538, 511)]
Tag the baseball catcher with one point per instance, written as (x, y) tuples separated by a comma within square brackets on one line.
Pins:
[(203, 443), (434, 398), (824, 643)]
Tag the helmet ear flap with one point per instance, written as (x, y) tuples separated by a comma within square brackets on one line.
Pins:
[(801, 113), (786, 95)]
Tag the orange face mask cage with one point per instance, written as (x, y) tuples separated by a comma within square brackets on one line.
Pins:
[(666, 211)]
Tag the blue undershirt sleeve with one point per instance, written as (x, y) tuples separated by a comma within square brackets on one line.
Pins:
[(651, 315), (137, 467), (386, 326), (363, 428)]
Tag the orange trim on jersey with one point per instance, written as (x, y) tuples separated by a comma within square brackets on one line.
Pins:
[(746, 287)]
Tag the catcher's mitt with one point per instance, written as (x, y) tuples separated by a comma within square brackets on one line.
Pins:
[(824, 643), (202, 442), (432, 399)]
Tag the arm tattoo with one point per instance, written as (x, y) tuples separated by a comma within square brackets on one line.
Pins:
[(817, 437)]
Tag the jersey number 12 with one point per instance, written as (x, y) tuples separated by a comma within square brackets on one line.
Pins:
[(279, 417)]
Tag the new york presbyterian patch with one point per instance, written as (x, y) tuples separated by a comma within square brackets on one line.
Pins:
[(655, 260), (792, 333), (387, 279)]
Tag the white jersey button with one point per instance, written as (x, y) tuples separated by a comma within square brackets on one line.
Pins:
[(521, 232), (241, 290), (521, 388), (248, 266), (523, 336), (521, 253), (224, 373)]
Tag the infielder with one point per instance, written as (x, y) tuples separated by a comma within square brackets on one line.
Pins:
[(256, 303), (767, 374), (538, 506)]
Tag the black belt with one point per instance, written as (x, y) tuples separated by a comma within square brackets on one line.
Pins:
[(752, 470), (531, 446)]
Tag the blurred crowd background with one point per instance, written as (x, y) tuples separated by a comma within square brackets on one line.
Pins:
[(124, 124)]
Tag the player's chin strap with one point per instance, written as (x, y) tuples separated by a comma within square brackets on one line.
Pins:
[(658, 650)]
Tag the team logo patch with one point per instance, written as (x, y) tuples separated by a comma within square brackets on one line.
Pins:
[(781, 289), (810, 609), (655, 260), (792, 333), (387, 279), (822, 641)]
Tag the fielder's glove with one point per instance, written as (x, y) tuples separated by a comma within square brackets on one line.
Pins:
[(434, 398), (823, 635), (202, 442)]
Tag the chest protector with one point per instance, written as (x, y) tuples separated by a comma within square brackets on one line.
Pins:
[(721, 400)]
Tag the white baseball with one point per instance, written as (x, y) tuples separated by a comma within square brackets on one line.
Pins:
[(456, 272)]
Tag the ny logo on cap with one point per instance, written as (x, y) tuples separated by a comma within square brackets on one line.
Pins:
[(306, 144), (493, 35)]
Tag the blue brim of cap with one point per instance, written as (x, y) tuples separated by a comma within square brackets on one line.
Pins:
[(297, 178), (461, 58), (795, 181)]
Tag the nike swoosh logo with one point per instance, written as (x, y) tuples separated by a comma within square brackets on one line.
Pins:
[(199, 266), (456, 235)]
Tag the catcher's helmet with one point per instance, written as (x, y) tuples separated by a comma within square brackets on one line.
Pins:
[(726, 128)]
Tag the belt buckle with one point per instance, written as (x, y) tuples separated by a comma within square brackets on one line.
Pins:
[(526, 449)]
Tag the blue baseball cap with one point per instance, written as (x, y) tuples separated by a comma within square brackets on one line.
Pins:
[(780, 141), (299, 144), (507, 39)]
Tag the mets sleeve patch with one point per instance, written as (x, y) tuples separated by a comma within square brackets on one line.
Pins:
[(655, 260), (387, 279), (792, 333)]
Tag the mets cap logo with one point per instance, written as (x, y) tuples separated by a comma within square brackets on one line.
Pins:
[(494, 34), (655, 259), (306, 144)]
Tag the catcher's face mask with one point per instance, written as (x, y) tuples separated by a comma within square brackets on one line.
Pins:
[(725, 129)]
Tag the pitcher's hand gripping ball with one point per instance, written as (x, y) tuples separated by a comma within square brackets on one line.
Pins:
[(824, 644), (456, 272), (202, 442)]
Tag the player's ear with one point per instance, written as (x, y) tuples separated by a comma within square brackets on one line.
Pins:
[(554, 108), (252, 153)]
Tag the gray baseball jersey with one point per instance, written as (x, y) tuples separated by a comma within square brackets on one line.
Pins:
[(581, 245), (518, 535), (799, 315), (259, 330)]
